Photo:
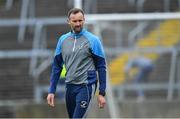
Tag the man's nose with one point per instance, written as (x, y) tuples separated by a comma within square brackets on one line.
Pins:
[(77, 23)]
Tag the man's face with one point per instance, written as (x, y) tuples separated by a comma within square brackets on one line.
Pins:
[(76, 22)]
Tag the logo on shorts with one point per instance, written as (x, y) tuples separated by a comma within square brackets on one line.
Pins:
[(83, 104)]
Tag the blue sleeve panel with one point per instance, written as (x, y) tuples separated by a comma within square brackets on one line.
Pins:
[(100, 65), (56, 70), (57, 65), (99, 60)]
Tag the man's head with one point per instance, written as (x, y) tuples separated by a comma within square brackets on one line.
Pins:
[(76, 19)]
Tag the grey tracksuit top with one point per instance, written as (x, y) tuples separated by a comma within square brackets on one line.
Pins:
[(83, 56)]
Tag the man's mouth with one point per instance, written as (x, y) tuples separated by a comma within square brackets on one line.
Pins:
[(77, 28)]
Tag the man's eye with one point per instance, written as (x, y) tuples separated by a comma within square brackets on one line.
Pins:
[(77, 21)]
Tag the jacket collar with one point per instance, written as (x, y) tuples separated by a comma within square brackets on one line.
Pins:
[(79, 34)]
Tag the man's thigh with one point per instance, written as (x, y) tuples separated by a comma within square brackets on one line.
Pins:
[(83, 100)]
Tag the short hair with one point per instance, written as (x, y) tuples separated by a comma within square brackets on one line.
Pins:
[(74, 11)]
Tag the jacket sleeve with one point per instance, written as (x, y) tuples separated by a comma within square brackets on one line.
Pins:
[(100, 64), (56, 68)]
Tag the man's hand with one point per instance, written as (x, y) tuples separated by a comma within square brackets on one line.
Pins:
[(101, 101), (50, 99)]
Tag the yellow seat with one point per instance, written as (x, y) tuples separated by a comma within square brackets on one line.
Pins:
[(166, 35)]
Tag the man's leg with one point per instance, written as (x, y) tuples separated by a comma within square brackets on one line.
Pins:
[(138, 80), (83, 100), (70, 100)]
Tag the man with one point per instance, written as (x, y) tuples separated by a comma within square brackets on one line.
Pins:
[(83, 56), (145, 67)]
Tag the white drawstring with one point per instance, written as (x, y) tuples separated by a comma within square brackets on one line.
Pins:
[(74, 43)]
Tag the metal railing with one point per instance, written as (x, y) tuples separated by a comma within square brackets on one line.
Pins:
[(138, 30), (170, 86)]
